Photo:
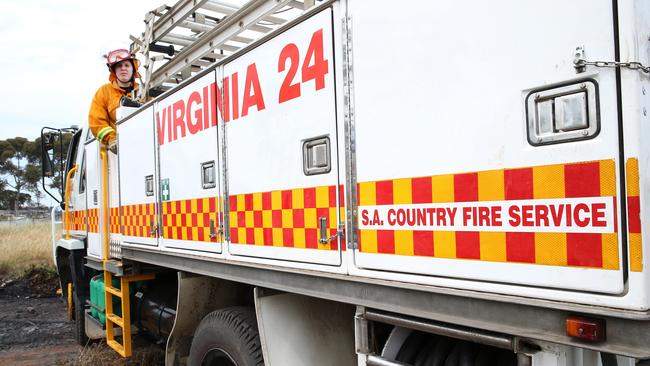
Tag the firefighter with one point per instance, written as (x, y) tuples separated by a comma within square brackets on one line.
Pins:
[(123, 68)]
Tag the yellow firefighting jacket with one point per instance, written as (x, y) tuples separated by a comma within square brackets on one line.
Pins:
[(101, 118)]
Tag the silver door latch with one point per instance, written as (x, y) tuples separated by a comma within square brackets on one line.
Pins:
[(324, 238)]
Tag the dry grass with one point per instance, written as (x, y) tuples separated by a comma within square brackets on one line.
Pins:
[(99, 354), (24, 246)]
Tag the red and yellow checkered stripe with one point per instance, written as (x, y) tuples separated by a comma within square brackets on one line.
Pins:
[(114, 219), (634, 214), (190, 219), (284, 218), (93, 220), (138, 219), (77, 220), (588, 179)]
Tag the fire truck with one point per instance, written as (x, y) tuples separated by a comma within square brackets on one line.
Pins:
[(347, 182)]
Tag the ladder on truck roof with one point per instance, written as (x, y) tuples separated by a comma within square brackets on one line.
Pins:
[(180, 41)]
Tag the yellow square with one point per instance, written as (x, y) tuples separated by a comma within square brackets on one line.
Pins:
[(267, 218), (195, 233), (442, 187), (241, 236), (205, 205), (368, 241), (491, 185), (277, 237), (250, 219), (298, 198), (194, 206), (548, 181), (311, 221), (402, 193), (608, 178), (287, 219), (610, 252), (257, 201), (200, 222), (165, 209), (276, 200), (299, 238), (631, 176), (172, 209), (404, 242), (551, 249), (444, 244), (332, 222), (241, 202), (492, 246), (322, 197), (259, 236), (367, 194)]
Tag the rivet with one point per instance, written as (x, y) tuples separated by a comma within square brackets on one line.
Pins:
[(643, 90), (644, 111), (585, 132)]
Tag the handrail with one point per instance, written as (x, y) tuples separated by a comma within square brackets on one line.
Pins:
[(66, 201), (104, 158)]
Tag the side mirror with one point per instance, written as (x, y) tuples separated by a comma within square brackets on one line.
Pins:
[(47, 153), (51, 145)]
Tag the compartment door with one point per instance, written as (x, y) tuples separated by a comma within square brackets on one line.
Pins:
[(137, 179), (280, 113), (474, 166), (189, 167)]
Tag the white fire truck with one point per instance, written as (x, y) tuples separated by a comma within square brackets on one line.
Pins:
[(373, 183)]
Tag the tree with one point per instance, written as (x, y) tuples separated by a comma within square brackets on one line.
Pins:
[(13, 162)]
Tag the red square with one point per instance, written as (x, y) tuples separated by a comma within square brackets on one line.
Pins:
[(386, 241), (325, 212), (241, 219), (277, 218), (287, 237), (268, 236), (342, 193), (384, 192), (194, 220), (266, 201), (311, 238), (334, 243), (582, 180), (298, 218), (257, 218), (423, 243), (286, 199), (518, 184), (584, 250), (466, 187), (183, 220), (468, 245), (520, 247), (421, 190), (199, 204), (234, 235), (332, 196), (248, 202), (634, 214), (212, 204), (232, 202), (250, 236), (201, 236), (310, 197)]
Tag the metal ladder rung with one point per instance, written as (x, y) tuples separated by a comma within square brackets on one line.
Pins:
[(112, 290), (115, 320)]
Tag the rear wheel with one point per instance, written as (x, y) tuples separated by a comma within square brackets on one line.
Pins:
[(227, 337)]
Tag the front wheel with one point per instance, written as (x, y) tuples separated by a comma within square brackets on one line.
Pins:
[(227, 337), (79, 320)]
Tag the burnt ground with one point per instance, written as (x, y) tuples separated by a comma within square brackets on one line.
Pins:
[(35, 330), (34, 326)]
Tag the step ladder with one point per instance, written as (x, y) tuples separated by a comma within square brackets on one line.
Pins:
[(180, 41), (124, 322)]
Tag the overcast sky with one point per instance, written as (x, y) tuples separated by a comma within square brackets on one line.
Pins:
[(52, 60)]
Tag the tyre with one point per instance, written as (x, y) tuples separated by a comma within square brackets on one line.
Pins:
[(227, 337), (79, 319)]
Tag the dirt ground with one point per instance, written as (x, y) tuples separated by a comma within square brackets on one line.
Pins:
[(34, 326), (35, 330)]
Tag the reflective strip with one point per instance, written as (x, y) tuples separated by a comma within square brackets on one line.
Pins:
[(103, 133)]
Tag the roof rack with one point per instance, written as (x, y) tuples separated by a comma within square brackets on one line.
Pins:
[(181, 40)]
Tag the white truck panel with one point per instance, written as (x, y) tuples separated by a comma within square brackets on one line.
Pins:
[(285, 95)]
